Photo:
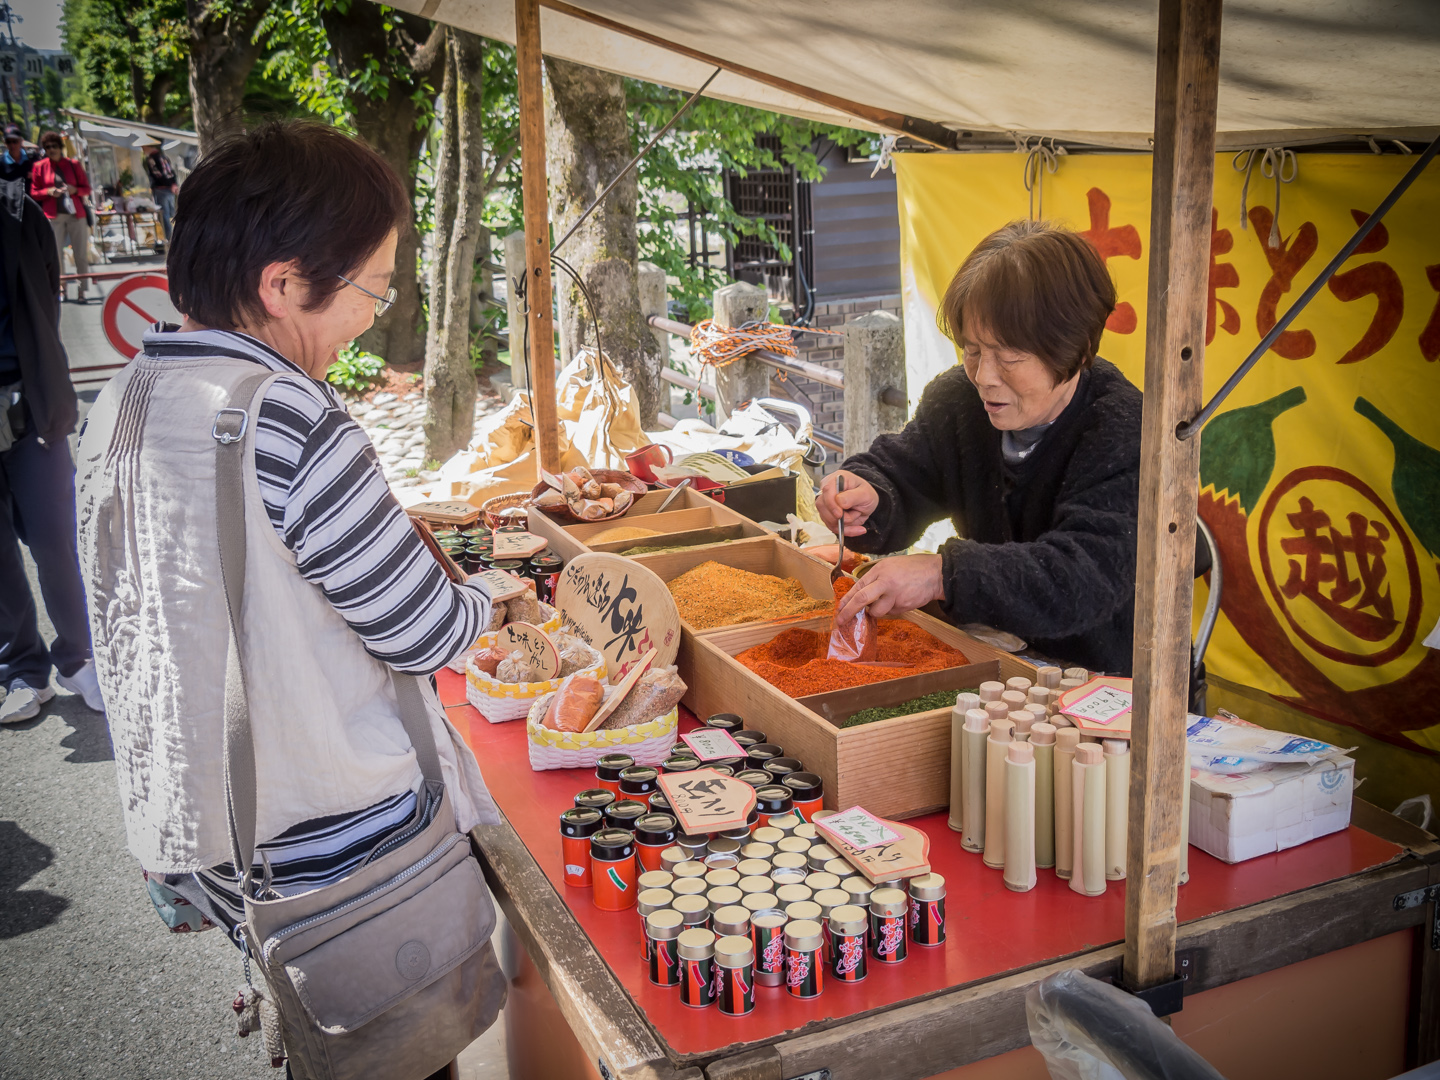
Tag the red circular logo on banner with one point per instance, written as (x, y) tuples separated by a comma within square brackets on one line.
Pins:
[(132, 307)]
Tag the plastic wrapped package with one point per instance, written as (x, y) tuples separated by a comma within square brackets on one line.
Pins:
[(575, 703), (1090, 1030), (499, 615), (574, 653), (654, 694), (525, 608), (857, 639), (489, 660), (515, 668)]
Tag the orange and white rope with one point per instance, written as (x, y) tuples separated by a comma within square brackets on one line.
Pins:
[(715, 344)]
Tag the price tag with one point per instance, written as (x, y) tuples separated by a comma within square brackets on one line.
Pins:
[(1101, 707), (535, 644), (858, 828), (503, 585), (518, 545), (908, 855), (706, 801), (712, 744)]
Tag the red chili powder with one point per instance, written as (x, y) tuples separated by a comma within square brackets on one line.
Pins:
[(794, 660)]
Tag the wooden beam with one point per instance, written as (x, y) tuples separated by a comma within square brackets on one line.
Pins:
[(1182, 191), (924, 130), (537, 234)]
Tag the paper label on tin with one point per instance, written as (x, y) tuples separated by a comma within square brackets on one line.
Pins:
[(712, 744), (1104, 705), (502, 585), (859, 828), (574, 871)]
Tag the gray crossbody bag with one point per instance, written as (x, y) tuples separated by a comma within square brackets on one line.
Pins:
[(388, 972)]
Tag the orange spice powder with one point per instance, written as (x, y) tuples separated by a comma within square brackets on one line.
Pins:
[(794, 660)]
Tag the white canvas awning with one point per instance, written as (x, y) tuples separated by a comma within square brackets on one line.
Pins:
[(1080, 70)]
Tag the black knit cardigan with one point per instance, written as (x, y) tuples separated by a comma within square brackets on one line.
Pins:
[(1048, 546)]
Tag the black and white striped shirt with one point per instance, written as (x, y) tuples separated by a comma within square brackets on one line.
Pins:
[(324, 492)]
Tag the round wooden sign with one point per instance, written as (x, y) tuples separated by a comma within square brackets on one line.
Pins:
[(621, 608), (535, 644)]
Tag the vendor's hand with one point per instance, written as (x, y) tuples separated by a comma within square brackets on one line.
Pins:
[(899, 583), (857, 502), (71, 189)]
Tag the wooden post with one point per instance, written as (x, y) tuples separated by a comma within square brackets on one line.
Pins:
[(1182, 192), (537, 231), (874, 362), (747, 378), (515, 271)]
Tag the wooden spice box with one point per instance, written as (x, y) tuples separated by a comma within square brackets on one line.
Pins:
[(896, 768), (690, 512)]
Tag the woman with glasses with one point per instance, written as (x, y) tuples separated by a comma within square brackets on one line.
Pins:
[(59, 184), (273, 280)]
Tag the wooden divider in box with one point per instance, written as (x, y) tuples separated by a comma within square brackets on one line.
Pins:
[(766, 554), (569, 539), (895, 768)]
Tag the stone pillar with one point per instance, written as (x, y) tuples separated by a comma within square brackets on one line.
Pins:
[(515, 270), (653, 298), (874, 363), (735, 304)]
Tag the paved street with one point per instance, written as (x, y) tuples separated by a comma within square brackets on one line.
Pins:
[(92, 985)]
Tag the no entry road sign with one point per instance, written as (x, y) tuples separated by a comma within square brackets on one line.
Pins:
[(132, 306)]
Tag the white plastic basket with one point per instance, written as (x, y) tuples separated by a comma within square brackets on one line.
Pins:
[(649, 743), (484, 641), (499, 701)]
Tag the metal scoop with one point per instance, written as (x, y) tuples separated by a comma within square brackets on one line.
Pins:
[(837, 573)]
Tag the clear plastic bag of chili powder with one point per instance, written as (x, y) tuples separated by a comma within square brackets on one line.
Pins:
[(856, 639)]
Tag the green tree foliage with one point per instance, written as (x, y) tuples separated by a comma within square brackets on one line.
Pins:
[(131, 57)]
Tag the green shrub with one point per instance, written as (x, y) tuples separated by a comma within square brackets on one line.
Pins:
[(355, 371)]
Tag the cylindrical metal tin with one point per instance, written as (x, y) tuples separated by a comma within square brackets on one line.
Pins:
[(768, 926), (544, 569), (764, 834), (673, 856), (791, 860), (724, 876), (758, 753), (753, 867), (655, 879), (658, 803), (689, 868), (848, 930), (760, 901), (730, 920), (887, 926), (654, 835), (786, 823), (662, 928), (829, 900), (839, 867), (624, 813), (804, 968), (927, 910), (735, 972), (723, 896), (680, 764), (696, 845), (757, 850), (694, 909), (595, 798), (860, 890), (697, 960), (577, 825), (608, 770), (803, 909), (756, 883), (821, 880), (820, 855), (771, 801), (740, 834), (721, 862), (689, 886), (797, 844), (723, 845), (808, 791), (807, 831), (788, 894), (637, 782), (725, 721), (779, 767), (646, 904), (614, 876), (747, 737), (756, 778)]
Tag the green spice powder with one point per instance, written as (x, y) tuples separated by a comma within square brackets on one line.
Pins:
[(941, 699)]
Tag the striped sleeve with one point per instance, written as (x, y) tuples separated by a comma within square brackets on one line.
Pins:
[(329, 503)]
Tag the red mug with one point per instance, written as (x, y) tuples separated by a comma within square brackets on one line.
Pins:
[(644, 461)]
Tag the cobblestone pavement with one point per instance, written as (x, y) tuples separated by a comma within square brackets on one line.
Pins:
[(395, 424)]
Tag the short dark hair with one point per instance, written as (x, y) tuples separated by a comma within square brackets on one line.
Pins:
[(51, 138), (1037, 287), (291, 189)]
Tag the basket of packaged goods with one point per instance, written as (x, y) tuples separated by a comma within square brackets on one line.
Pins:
[(525, 609), (502, 686), (642, 723)]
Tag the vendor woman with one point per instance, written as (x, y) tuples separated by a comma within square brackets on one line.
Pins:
[(1031, 448)]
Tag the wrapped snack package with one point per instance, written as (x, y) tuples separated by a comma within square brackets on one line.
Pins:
[(525, 608), (574, 653), (857, 641), (515, 668), (575, 703), (489, 660), (657, 692), (499, 616)]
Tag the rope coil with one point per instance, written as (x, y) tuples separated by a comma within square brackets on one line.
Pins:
[(717, 345)]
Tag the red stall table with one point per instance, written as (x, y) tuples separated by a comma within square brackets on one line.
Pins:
[(1315, 961)]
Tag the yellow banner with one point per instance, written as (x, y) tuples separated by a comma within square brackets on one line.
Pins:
[(1320, 478)]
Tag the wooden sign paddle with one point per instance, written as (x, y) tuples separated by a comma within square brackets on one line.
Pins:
[(706, 801), (535, 644), (446, 511), (504, 585), (618, 694), (881, 858), (518, 545), (1101, 707), (621, 608)]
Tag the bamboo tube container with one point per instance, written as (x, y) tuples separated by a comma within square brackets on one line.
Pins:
[(1070, 684), (1088, 874), (963, 703), (1049, 676), (973, 751), (1020, 817), (1038, 695), (1042, 738), (996, 743), (991, 691), (1117, 805), (996, 710), (1018, 682), (1013, 699), (1077, 673), (1023, 720), (1066, 739), (1185, 827)]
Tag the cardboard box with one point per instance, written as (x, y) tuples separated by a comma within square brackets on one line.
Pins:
[(1243, 815)]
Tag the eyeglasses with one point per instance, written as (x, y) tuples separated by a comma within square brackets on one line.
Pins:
[(382, 303)]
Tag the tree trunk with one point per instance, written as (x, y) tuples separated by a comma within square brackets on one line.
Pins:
[(222, 54), (588, 137), (449, 374)]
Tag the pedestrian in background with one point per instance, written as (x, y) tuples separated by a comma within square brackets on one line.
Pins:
[(162, 185), (37, 477), (60, 186), (15, 162)]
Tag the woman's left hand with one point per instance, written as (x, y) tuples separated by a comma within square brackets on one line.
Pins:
[(899, 583)]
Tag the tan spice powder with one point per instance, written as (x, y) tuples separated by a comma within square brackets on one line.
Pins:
[(712, 595), (622, 532)]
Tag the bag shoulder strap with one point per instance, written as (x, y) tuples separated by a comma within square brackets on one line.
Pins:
[(233, 426)]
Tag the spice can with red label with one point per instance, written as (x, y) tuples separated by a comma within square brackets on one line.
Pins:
[(577, 826), (735, 966), (927, 910), (694, 908), (887, 926), (612, 866), (608, 770), (654, 835), (780, 767), (624, 813), (849, 928), (698, 983), (544, 569), (646, 904), (807, 790), (662, 928), (756, 754), (748, 737), (829, 900), (768, 928), (804, 967), (596, 798), (638, 781)]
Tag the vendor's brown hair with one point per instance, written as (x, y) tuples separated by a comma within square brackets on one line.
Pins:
[(292, 189), (1036, 287)]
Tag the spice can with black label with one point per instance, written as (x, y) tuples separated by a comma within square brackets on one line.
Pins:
[(927, 910), (748, 737), (756, 778), (780, 767), (849, 927), (595, 798), (679, 764), (658, 803), (662, 928), (544, 569), (698, 984), (768, 928), (756, 754), (829, 900), (577, 825), (887, 926), (646, 904), (772, 801), (735, 965), (624, 813), (608, 770), (804, 967), (731, 921), (654, 835), (614, 876), (808, 791), (725, 721), (637, 782)]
